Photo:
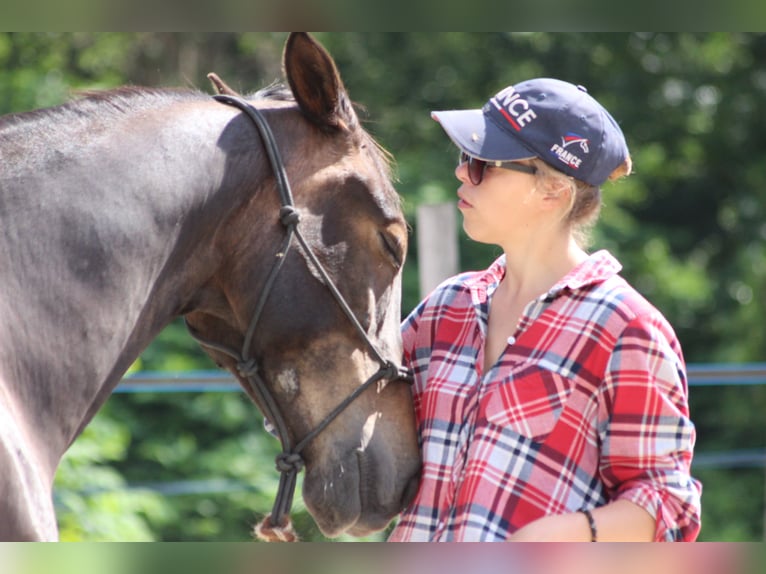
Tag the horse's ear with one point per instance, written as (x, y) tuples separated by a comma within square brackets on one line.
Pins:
[(315, 82)]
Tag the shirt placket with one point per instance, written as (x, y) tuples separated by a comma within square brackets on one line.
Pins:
[(470, 411), (484, 384)]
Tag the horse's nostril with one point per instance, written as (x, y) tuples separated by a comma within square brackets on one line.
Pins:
[(410, 490)]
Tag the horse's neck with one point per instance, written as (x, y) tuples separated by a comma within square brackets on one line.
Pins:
[(90, 277)]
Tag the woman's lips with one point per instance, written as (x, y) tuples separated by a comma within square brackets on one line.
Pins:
[(462, 203)]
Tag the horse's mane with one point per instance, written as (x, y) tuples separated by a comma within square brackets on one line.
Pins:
[(93, 105), (102, 105), (90, 109)]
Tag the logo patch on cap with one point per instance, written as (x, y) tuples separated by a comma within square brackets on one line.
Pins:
[(567, 156), (572, 138)]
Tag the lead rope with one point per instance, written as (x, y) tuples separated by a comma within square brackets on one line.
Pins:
[(277, 525)]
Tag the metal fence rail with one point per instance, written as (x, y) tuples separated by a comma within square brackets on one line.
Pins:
[(181, 382), (700, 375), (723, 374)]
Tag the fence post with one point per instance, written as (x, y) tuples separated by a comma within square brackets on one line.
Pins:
[(437, 244)]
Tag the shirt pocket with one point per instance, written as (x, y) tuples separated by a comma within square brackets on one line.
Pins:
[(529, 402)]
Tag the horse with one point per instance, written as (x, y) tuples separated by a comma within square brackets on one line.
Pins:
[(269, 223)]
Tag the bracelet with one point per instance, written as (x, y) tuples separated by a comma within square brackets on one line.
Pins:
[(591, 523)]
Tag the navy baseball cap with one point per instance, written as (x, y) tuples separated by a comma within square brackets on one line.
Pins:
[(553, 120)]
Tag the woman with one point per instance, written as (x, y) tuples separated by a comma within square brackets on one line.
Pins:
[(551, 397)]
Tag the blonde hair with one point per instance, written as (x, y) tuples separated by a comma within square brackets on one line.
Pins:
[(584, 199)]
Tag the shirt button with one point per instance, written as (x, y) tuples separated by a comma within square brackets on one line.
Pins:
[(511, 340)]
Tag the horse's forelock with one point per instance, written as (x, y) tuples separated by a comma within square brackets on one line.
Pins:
[(279, 91), (275, 91)]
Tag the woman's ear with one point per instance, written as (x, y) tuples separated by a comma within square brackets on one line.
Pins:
[(556, 193)]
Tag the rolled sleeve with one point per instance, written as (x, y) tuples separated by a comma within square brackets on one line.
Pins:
[(647, 438)]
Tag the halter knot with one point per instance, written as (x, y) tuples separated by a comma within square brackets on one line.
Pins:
[(289, 216), (248, 368), (289, 461), (392, 372), (268, 532), (405, 375)]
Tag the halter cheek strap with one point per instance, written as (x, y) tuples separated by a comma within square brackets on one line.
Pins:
[(277, 526)]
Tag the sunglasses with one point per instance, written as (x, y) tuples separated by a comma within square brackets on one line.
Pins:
[(476, 167)]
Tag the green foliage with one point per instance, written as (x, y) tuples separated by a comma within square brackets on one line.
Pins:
[(736, 514), (688, 227), (89, 513)]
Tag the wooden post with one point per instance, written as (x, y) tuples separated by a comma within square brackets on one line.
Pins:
[(437, 244)]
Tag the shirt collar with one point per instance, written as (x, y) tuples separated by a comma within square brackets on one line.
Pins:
[(597, 268)]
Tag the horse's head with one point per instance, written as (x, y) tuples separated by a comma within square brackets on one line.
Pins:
[(362, 468)]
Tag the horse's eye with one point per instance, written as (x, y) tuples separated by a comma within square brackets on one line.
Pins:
[(393, 248)]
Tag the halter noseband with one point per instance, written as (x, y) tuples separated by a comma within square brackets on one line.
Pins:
[(289, 462)]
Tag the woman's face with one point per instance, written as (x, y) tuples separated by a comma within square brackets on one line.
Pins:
[(504, 206)]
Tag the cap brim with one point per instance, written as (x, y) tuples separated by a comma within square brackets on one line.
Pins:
[(479, 136)]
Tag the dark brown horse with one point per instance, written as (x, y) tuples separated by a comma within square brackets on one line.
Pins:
[(120, 211)]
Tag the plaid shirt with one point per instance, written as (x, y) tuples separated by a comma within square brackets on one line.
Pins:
[(587, 405)]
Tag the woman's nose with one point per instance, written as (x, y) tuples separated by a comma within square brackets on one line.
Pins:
[(461, 171)]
